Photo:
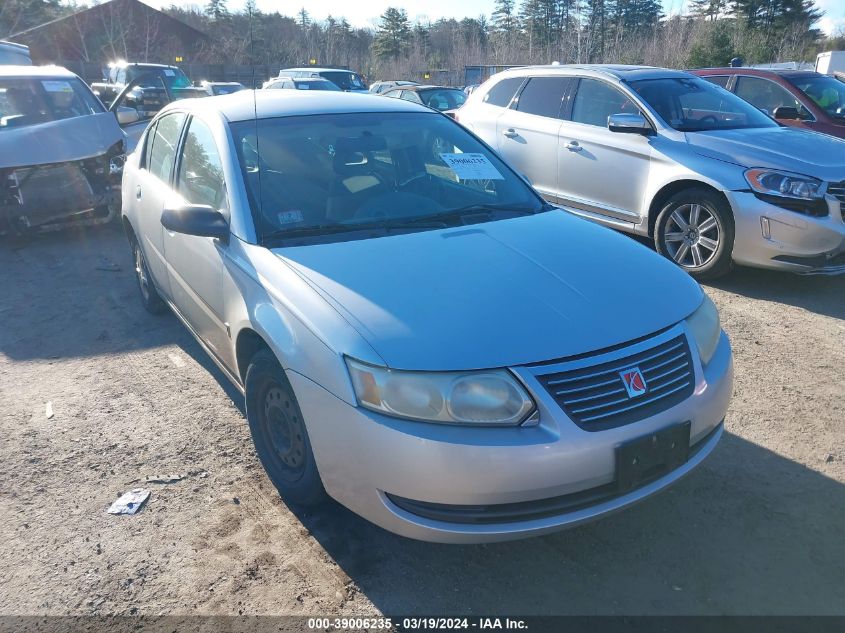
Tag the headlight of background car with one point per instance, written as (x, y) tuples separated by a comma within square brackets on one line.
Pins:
[(492, 397), (704, 326), (784, 184)]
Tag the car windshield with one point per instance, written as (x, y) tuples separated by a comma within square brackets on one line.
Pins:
[(827, 93), (316, 85), (690, 104), (226, 90), (443, 99), (173, 77), (344, 79), (330, 174), (28, 101)]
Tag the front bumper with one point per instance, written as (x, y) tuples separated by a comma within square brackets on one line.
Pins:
[(795, 242), (365, 458)]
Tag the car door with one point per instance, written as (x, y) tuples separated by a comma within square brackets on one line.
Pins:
[(195, 264), (602, 171), (527, 133), (152, 189), (482, 116)]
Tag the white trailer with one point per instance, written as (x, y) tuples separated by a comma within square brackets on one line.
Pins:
[(830, 62)]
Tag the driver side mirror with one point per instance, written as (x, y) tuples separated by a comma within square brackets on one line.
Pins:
[(127, 115), (787, 113), (199, 220), (626, 123)]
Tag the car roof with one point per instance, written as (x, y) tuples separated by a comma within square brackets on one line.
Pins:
[(419, 88), (138, 64), (268, 104), (315, 69), (760, 72), (36, 71), (618, 71)]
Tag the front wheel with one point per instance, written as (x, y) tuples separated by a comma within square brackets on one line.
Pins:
[(278, 431), (696, 230)]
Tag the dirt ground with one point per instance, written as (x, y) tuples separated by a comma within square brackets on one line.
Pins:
[(758, 529)]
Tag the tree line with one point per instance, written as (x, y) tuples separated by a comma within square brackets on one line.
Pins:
[(711, 33)]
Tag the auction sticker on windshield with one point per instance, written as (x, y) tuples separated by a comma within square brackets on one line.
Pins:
[(472, 166)]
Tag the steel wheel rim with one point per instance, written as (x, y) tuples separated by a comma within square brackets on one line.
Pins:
[(284, 429), (141, 272), (692, 235)]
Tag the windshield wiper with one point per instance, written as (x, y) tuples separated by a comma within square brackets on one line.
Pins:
[(330, 229)]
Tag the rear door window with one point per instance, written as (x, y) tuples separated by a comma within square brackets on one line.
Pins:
[(543, 96), (162, 153), (502, 93), (596, 100)]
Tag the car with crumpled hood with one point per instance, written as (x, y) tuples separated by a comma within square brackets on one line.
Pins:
[(61, 151)]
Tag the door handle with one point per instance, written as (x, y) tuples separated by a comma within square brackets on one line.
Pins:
[(510, 133), (573, 146), (138, 192)]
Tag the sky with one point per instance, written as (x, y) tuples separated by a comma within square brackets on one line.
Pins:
[(363, 13)]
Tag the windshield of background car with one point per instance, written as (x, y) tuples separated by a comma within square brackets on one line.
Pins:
[(315, 85), (28, 101), (332, 172), (690, 104), (345, 80), (827, 93), (173, 77), (443, 99), (225, 90)]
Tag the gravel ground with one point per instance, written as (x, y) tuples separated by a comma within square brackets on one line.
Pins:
[(756, 530)]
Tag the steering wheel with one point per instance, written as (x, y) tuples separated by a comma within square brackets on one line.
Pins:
[(710, 118)]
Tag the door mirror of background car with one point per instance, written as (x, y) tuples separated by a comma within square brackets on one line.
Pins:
[(200, 220), (127, 115), (787, 113), (626, 123)]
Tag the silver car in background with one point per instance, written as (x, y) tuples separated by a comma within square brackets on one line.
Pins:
[(416, 332), (660, 153)]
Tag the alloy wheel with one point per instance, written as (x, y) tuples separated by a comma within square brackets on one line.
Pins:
[(692, 234)]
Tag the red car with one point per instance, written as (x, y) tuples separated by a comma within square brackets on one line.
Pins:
[(798, 98)]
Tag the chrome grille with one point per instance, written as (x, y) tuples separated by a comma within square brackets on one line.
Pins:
[(595, 397), (837, 190)]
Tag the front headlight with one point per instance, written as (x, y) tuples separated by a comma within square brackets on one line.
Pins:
[(704, 326), (783, 184), (492, 397)]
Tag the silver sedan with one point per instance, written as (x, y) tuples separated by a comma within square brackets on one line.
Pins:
[(416, 332)]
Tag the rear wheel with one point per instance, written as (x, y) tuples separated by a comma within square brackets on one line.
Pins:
[(696, 230), (150, 298), (278, 431)]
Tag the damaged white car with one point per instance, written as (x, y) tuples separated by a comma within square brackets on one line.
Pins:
[(61, 152)]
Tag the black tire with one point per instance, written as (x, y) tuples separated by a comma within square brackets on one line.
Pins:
[(278, 431), (150, 298), (686, 234)]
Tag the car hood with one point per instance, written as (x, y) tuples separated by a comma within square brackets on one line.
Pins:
[(798, 151), (59, 141), (497, 294)]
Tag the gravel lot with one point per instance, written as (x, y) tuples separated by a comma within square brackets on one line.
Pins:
[(757, 530)]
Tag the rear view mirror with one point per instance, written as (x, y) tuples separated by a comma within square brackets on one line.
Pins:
[(788, 113), (625, 123), (200, 220), (127, 115)]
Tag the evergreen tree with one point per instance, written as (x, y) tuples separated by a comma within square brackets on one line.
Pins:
[(504, 16), (303, 18), (217, 10), (394, 34)]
